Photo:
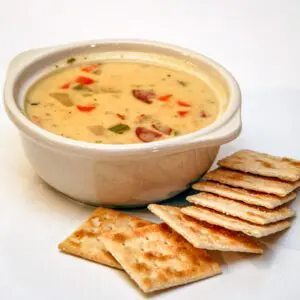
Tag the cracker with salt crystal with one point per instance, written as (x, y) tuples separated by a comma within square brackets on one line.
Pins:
[(156, 257), (86, 241), (253, 214), (246, 196), (204, 235), (263, 164), (252, 182), (235, 224)]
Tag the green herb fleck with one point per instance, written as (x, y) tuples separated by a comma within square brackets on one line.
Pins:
[(119, 128), (34, 103), (176, 132), (182, 83), (98, 142), (56, 66), (97, 71), (81, 87), (71, 60)]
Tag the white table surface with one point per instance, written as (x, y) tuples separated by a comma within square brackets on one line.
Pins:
[(258, 41)]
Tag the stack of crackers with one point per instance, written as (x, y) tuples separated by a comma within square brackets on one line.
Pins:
[(244, 199), (248, 193)]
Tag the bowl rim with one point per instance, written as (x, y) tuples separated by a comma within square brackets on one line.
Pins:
[(40, 134)]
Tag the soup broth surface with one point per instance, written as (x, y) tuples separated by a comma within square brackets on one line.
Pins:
[(121, 103)]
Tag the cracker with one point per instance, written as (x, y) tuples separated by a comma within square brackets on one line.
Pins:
[(247, 196), (204, 235), (235, 224), (86, 241), (253, 214), (263, 164), (156, 257), (252, 182)]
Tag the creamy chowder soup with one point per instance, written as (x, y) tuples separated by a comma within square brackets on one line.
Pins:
[(121, 103)]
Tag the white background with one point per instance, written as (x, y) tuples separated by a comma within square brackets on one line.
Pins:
[(258, 41)]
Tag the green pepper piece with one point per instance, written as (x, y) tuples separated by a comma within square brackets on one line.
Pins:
[(81, 87), (119, 128)]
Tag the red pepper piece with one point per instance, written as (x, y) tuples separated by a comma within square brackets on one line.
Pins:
[(89, 68), (162, 128), (143, 95), (146, 135), (165, 98), (85, 108), (182, 113), (84, 80), (65, 86), (203, 114), (182, 103), (122, 117)]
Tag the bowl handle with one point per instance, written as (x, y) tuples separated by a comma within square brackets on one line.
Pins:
[(223, 135), (23, 58)]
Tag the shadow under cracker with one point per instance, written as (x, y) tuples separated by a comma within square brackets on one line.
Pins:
[(153, 294), (273, 238)]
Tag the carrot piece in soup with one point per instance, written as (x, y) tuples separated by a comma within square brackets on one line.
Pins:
[(84, 80), (182, 103), (85, 108), (65, 86), (182, 113), (89, 68), (165, 98)]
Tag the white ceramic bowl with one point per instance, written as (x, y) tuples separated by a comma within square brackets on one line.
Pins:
[(121, 175)]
